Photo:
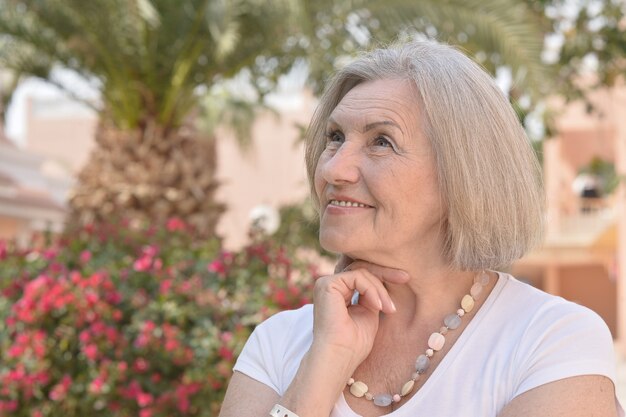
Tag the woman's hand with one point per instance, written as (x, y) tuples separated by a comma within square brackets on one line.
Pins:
[(346, 328)]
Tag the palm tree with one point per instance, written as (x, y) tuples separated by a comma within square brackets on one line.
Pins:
[(151, 60)]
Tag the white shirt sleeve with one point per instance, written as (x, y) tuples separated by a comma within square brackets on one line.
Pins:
[(273, 352), (564, 340), (262, 351)]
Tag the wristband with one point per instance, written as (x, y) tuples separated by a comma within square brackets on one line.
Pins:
[(280, 411)]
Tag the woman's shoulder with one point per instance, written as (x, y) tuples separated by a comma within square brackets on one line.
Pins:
[(528, 301), (551, 338)]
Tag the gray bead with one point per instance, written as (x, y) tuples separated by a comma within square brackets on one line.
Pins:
[(383, 400), (452, 321), (422, 363)]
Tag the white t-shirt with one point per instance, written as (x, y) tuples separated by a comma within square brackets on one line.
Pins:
[(519, 339)]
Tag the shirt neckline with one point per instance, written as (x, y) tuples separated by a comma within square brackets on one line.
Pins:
[(446, 361)]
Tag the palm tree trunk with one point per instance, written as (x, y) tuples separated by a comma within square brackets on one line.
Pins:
[(147, 176)]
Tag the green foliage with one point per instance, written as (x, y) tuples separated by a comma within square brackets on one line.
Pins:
[(148, 57), (125, 322), (597, 32), (299, 228)]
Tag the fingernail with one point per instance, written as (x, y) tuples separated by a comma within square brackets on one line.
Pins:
[(393, 306), (380, 304)]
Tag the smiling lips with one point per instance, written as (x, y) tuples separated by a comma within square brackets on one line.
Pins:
[(346, 203)]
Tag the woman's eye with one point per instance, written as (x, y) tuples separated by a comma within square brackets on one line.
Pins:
[(383, 141), (334, 137)]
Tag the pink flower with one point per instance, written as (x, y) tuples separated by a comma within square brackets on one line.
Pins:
[(8, 405), (144, 399), (140, 365), (146, 412), (226, 353), (165, 286), (49, 254), (85, 256), (141, 341), (171, 344), (60, 390), (91, 351), (122, 367), (142, 264), (36, 413), (217, 267), (96, 385), (174, 224), (149, 326)]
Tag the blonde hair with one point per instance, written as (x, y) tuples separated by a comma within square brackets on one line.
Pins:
[(488, 174)]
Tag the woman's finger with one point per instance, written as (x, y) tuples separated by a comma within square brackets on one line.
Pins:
[(344, 285)]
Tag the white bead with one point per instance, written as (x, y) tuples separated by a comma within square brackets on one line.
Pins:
[(460, 312), (467, 303), (358, 389), (436, 341)]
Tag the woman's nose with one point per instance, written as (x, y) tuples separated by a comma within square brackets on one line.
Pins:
[(342, 167)]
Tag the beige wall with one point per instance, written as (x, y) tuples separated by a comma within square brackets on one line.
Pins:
[(271, 173), (10, 228), (65, 137)]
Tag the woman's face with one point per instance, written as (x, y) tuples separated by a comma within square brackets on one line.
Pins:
[(376, 179)]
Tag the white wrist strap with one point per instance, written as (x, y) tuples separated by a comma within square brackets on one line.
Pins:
[(280, 411)]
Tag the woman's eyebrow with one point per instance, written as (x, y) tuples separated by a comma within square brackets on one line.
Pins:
[(373, 125), (370, 126)]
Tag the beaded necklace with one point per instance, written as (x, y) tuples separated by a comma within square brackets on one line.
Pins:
[(435, 343)]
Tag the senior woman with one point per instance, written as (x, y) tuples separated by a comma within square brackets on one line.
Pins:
[(425, 183)]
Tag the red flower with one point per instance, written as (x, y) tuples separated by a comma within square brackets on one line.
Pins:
[(142, 264), (85, 256), (96, 385), (175, 224), (226, 353), (144, 399), (165, 286), (141, 365), (91, 351), (217, 267)]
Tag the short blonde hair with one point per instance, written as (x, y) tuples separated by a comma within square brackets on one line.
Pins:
[(488, 173)]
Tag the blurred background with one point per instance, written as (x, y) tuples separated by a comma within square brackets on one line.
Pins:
[(151, 171)]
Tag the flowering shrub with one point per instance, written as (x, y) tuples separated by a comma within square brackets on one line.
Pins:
[(121, 322)]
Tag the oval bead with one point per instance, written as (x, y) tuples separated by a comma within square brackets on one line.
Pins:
[(407, 388), (396, 398), (482, 278), (422, 363), (476, 289), (452, 321), (383, 400), (436, 341), (358, 389), (467, 303)]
